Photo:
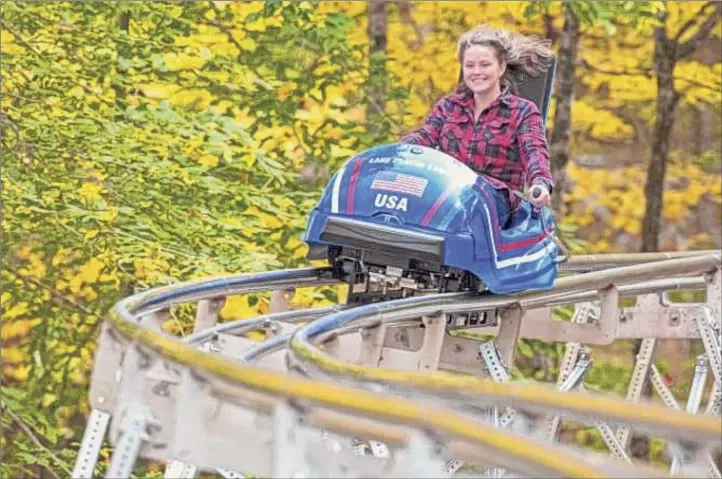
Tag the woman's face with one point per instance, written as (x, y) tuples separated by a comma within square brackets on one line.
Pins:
[(482, 69)]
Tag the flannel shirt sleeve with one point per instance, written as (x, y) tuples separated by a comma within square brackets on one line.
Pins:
[(428, 134), (533, 148)]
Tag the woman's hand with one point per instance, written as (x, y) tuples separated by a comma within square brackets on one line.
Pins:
[(539, 195)]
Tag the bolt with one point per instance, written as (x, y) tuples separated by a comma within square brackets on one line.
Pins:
[(162, 389), (152, 429)]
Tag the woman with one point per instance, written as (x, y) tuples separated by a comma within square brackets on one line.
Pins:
[(483, 124)]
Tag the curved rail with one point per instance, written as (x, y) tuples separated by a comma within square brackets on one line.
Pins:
[(466, 435), (474, 391), (164, 297), (591, 262), (279, 342), (507, 449)]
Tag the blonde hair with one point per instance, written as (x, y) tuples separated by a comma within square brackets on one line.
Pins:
[(524, 55)]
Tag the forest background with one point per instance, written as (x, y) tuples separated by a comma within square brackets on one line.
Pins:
[(148, 143)]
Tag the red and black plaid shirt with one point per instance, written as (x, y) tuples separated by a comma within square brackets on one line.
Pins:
[(507, 143)]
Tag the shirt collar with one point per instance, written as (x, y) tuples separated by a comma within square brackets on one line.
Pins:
[(466, 98)]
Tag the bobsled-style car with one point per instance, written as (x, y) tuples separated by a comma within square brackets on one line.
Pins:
[(428, 218), (420, 216)]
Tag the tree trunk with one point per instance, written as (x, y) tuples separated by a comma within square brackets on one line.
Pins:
[(376, 89), (564, 96), (667, 100), (667, 52), (124, 21), (698, 139)]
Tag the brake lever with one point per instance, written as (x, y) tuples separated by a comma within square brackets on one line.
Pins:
[(537, 212)]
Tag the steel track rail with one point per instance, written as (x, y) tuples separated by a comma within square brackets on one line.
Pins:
[(243, 326), (510, 451), (164, 297), (505, 449), (277, 343), (628, 290), (591, 262), (651, 418), (465, 442)]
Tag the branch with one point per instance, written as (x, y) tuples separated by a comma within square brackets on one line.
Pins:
[(229, 35), (687, 48), (61, 300), (4, 118), (37, 53), (199, 256), (590, 35), (384, 115), (224, 29), (20, 39), (404, 9), (29, 432), (609, 141), (690, 23), (712, 88), (640, 129), (647, 72)]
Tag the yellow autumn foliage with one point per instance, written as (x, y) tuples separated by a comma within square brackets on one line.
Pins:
[(598, 122), (150, 268), (298, 248), (183, 61), (34, 266), (700, 83), (17, 329), (86, 274), (313, 297), (18, 373), (266, 219), (90, 191), (158, 91), (15, 311), (208, 160), (13, 355), (620, 193), (8, 43), (195, 98), (237, 307)]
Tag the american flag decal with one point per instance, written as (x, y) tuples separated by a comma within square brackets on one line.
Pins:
[(399, 183)]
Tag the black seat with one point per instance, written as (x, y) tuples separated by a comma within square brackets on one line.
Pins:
[(539, 89)]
